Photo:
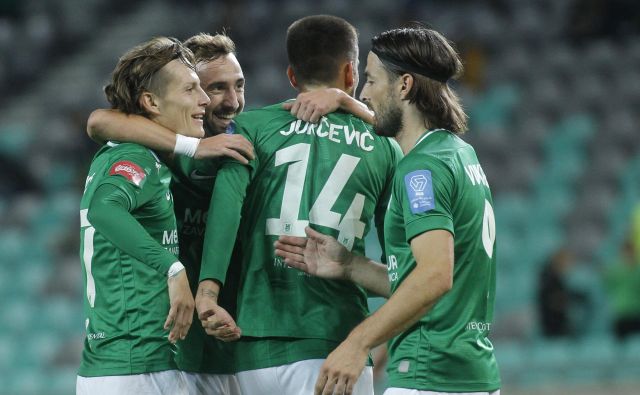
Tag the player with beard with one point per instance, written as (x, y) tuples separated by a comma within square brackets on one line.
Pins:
[(206, 363), (333, 175), (439, 233)]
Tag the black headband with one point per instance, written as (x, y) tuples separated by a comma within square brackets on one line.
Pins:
[(408, 67)]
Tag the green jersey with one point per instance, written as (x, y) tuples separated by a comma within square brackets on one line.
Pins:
[(191, 186), (128, 241), (331, 176), (440, 185)]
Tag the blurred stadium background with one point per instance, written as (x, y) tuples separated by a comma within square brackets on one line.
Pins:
[(552, 88)]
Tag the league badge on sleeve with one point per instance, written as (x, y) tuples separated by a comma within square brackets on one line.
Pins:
[(129, 170), (420, 191)]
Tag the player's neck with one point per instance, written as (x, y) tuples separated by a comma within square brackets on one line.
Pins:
[(314, 87), (413, 126)]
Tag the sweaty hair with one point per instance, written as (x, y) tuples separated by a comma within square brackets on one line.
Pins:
[(432, 61), (137, 72), (317, 45), (206, 47)]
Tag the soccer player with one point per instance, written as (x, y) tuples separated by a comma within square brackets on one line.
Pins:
[(206, 363), (439, 234), (128, 231), (332, 175)]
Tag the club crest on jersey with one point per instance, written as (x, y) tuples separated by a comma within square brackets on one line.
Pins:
[(129, 170), (420, 191)]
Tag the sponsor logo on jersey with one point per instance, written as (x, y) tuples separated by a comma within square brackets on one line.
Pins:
[(170, 237), (279, 264), (196, 175), (88, 181), (479, 326), (420, 191), (128, 170), (193, 222), (194, 216), (96, 336)]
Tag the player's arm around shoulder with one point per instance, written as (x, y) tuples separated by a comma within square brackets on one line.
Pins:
[(113, 125), (223, 221), (310, 106)]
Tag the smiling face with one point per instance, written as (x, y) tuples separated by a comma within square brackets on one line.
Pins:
[(379, 94), (223, 82), (181, 102)]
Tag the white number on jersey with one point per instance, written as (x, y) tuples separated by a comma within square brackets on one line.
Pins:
[(87, 254), (350, 226), (488, 229)]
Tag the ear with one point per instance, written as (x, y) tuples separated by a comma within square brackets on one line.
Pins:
[(292, 77), (149, 103), (405, 84), (349, 76)]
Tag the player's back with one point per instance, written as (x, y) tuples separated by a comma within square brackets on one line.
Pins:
[(331, 176)]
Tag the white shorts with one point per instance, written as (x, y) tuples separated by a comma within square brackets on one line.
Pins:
[(168, 382), (406, 391), (207, 384), (297, 378)]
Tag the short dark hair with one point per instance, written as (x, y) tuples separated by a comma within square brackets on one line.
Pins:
[(432, 61), (206, 47), (317, 45), (137, 72)]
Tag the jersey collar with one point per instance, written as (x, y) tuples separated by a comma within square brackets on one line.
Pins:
[(114, 144), (427, 134)]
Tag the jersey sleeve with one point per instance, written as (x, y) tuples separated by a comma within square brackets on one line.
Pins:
[(223, 220), (110, 214), (425, 185), (395, 154), (225, 208)]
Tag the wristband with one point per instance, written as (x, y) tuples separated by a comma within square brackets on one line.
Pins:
[(175, 268), (186, 146)]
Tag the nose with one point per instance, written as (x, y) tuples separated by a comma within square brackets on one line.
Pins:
[(203, 98), (231, 99), (363, 95)]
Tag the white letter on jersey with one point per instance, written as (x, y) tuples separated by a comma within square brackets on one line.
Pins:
[(476, 175), (363, 143)]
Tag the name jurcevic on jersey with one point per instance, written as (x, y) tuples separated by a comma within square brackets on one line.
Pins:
[(332, 132)]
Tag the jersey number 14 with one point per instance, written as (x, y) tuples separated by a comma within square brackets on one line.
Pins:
[(349, 226)]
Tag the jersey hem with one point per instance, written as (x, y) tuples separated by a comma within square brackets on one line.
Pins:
[(199, 370), (444, 387), (85, 371), (434, 222), (280, 352)]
